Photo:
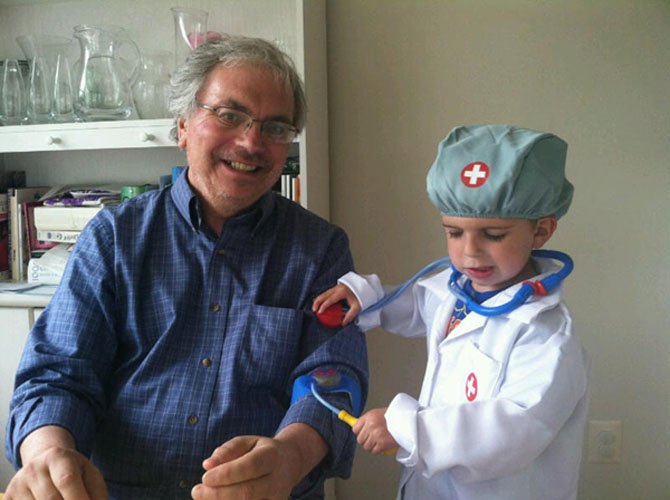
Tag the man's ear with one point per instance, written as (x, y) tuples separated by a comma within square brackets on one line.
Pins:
[(544, 229), (181, 133)]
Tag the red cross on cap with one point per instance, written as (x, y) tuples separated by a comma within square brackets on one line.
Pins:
[(471, 387), (475, 174)]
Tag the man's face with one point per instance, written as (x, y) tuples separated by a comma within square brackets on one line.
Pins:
[(230, 169)]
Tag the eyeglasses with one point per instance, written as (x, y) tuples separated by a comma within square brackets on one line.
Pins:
[(271, 130)]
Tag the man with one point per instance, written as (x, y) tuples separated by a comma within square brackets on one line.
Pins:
[(172, 344)]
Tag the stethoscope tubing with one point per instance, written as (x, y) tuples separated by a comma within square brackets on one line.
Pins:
[(342, 414), (436, 265), (528, 288)]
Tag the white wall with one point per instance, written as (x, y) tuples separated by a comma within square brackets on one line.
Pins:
[(597, 73)]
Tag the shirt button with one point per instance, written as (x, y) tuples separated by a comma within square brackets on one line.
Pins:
[(215, 308), (221, 251), (206, 362), (184, 485), (193, 419)]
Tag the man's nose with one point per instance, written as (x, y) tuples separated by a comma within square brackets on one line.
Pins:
[(251, 136)]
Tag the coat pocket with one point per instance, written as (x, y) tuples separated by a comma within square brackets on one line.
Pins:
[(465, 374)]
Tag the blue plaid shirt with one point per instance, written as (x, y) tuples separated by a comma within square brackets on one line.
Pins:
[(163, 341)]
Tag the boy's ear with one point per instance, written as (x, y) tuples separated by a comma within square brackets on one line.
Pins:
[(544, 229)]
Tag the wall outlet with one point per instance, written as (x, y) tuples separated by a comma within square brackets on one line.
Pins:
[(604, 441)]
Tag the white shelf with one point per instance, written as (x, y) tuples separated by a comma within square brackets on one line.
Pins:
[(23, 300), (120, 134)]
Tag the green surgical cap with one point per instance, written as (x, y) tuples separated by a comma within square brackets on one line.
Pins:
[(500, 171)]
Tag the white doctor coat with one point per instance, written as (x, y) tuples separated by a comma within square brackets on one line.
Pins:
[(503, 404)]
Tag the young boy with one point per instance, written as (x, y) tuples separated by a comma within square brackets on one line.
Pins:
[(503, 405)]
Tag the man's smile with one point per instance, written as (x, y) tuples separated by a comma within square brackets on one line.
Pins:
[(240, 167)]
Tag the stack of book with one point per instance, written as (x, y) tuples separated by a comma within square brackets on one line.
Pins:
[(58, 220), (41, 219), (64, 211)]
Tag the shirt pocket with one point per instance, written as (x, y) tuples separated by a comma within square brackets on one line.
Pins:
[(465, 374), (271, 346)]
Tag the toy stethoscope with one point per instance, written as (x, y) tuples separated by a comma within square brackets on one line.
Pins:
[(333, 316)]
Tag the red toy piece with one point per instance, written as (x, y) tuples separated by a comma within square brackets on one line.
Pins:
[(332, 317)]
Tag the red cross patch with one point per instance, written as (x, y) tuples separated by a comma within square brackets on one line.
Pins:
[(475, 174), (471, 387)]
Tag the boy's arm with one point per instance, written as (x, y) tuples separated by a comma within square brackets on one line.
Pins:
[(401, 316)]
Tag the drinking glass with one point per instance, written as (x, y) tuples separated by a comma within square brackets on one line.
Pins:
[(39, 99), (190, 30), (62, 97), (13, 96)]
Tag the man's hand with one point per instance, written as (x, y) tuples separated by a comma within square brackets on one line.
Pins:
[(255, 467), (52, 468)]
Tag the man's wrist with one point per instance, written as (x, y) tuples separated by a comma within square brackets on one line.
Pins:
[(306, 446), (43, 438)]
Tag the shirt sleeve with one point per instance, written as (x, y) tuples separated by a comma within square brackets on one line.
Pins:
[(344, 349), (69, 351), (402, 316)]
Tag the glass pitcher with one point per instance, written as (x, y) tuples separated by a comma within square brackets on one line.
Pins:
[(152, 88), (104, 78)]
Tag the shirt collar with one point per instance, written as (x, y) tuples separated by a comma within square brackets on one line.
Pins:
[(188, 206)]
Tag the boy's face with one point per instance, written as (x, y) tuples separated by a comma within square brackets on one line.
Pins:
[(495, 253)]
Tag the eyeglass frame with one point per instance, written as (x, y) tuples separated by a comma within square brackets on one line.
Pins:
[(249, 123)]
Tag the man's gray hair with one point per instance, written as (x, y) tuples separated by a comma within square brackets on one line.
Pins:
[(231, 51)]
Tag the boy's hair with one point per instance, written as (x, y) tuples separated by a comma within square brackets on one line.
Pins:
[(500, 171)]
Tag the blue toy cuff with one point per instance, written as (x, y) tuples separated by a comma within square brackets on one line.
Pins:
[(329, 380)]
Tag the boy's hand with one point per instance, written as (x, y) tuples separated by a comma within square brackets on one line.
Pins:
[(372, 433), (333, 296)]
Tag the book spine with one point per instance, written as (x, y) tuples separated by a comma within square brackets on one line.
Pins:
[(63, 218), (16, 241), (37, 273), (33, 241), (296, 189), (5, 273), (59, 236)]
